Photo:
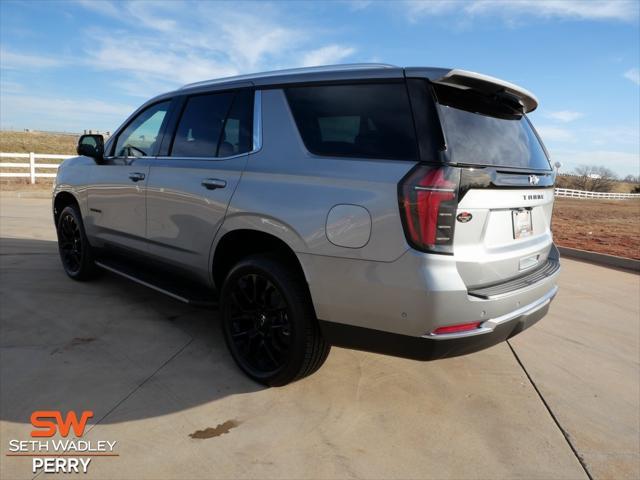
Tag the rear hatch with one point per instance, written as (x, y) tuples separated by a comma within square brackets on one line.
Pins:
[(494, 193)]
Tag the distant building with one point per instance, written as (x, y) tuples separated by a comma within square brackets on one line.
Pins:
[(97, 132)]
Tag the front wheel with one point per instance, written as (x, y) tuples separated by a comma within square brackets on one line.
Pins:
[(74, 248), (269, 323)]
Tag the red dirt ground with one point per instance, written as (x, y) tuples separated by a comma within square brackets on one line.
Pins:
[(603, 226)]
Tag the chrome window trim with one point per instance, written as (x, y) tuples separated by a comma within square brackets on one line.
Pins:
[(195, 159), (257, 121)]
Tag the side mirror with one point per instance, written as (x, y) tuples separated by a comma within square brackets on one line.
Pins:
[(91, 146), (557, 165)]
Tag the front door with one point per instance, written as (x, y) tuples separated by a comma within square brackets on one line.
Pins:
[(117, 186), (189, 189)]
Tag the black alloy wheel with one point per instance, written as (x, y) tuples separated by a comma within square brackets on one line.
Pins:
[(75, 252), (268, 321), (260, 327), (70, 242)]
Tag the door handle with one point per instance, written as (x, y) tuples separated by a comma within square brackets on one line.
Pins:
[(136, 176), (213, 183)]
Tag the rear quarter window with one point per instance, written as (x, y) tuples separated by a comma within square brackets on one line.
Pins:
[(361, 120)]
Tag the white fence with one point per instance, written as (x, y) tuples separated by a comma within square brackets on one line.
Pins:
[(567, 192), (32, 173), (32, 167)]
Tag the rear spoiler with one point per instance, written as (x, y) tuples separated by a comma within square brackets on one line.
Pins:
[(476, 81)]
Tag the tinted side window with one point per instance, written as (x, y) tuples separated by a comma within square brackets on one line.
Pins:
[(140, 136), (238, 128), (365, 120), (202, 121)]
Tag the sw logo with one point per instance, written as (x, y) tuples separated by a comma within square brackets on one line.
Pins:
[(47, 428), (61, 455)]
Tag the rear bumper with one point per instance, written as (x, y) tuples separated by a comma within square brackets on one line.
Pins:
[(414, 295), (432, 347)]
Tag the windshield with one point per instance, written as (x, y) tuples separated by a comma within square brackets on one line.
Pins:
[(482, 131)]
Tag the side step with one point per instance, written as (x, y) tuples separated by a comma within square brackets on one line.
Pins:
[(185, 291)]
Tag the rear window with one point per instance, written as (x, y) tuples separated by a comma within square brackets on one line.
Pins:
[(488, 131), (364, 120)]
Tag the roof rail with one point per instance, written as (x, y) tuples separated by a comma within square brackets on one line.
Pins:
[(291, 71)]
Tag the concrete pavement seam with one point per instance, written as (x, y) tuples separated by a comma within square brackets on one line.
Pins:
[(134, 390), (142, 383), (553, 417)]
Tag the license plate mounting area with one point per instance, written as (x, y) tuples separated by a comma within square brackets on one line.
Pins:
[(522, 226)]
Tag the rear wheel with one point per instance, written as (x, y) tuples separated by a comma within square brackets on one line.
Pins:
[(75, 251), (269, 323)]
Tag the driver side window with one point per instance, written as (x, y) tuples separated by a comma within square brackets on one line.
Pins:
[(140, 136)]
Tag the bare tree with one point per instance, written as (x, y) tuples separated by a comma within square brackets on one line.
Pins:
[(632, 179), (565, 181), (593, 178)]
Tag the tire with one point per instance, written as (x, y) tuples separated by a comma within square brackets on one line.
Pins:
[(269, 323), (75, 252)]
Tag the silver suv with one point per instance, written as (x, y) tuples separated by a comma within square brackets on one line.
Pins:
[(403, 211)]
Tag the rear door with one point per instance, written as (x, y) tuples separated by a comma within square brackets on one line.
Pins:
[(191, 184), (505, 198)]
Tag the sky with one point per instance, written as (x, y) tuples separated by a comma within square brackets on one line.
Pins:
[(76, 65)]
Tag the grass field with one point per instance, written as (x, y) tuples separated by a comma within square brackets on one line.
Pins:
[(623, 187), (565, 181), (38, 142), (603, 226)]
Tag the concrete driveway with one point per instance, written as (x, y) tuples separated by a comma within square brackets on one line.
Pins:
[(561, 400)]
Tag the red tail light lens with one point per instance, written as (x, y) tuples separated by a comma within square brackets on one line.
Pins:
[(428, 199), (462, 327)]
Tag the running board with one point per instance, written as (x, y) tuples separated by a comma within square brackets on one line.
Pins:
[(186, 292)]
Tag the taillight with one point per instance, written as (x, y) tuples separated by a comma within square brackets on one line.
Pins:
[(428, 199), (461, 327)]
